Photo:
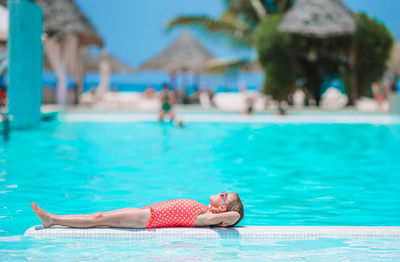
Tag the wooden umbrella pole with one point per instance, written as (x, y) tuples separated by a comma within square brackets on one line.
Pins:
[(185, 83), (71, 54), (53, 52)]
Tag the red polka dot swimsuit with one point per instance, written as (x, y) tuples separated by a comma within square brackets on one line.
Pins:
[(175, 213)]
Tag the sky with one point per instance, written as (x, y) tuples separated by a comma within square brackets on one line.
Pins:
[(135, 30)]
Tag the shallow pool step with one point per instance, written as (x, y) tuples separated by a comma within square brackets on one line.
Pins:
[(273, 232)]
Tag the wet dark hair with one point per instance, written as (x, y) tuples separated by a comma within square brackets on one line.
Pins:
[(236, 205)]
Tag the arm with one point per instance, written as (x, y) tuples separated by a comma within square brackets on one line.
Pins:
[(224, 219), (171, 97)]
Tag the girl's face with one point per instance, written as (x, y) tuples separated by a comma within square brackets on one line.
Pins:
[(218, 202)]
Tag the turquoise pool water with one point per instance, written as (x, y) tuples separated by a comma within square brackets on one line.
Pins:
[(323, 249), (286, 174)]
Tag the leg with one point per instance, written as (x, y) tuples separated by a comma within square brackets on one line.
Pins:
[(126, 218), (161, 116), (171, 115)]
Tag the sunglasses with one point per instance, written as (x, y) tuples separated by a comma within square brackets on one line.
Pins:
[(224, 196)]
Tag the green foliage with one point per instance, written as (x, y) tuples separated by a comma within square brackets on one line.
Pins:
[(240, 36), (285, 57), (373, 45), (276, 54), (320, 58), (348, 81), (238, 20)]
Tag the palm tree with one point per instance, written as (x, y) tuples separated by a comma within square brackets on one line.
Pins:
[(239, 19)]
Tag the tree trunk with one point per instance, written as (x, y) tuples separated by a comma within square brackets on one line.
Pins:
[(354, 78), (315, 87), (313, 75)]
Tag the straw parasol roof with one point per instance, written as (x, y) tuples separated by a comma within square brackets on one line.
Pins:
[(319, 18), (3, 24), (185, 54), (394, 61), (91, 63), (221, 65), (63, 18)]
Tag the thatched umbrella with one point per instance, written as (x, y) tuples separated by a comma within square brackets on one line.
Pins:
[(3, 25), (319, 18), (66, 30), (91, 62), (394, 61), (62, 18), (104, 64), (3, 38), (221, 65), (185, 54)]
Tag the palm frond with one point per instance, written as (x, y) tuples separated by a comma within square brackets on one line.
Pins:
[(237, 30), (244, 10)]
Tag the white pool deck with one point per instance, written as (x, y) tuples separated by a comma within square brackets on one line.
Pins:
[(233, 118), (244, 232)]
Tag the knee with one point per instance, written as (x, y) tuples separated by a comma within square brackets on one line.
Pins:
[(97, 217)]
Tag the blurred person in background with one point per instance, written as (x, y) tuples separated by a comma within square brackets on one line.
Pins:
[(248, 99), (167, 101), (149, 92), (379, 92)]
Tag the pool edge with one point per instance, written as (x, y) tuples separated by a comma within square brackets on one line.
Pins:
[(278, 232)]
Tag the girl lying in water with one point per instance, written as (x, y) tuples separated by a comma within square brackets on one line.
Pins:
[(225, 210)]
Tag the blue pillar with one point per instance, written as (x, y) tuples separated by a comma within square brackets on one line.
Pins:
[(25, 63)]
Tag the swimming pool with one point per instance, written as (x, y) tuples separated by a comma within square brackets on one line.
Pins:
[(286, 173), (337, 249)]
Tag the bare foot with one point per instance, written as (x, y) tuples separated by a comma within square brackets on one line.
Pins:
[(42, 215)]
